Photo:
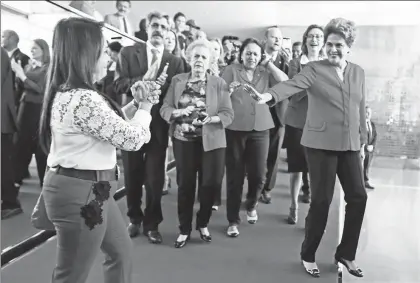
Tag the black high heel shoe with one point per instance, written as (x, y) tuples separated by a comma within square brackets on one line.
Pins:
[(355, 272), (181, 244), (205, 238)]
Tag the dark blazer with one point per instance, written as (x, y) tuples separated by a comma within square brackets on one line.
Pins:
[(217, 104), (336, 110), (35, 83), (8, 108), (249, 115), (131, 67), (371, 137), (17, 84), (278, 111), (298, 104)]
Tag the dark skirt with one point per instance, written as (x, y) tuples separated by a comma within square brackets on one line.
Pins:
[(296, 159)]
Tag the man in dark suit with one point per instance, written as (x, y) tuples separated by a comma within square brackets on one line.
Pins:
[(273, 49), (146, 61), (10, 41), (370, 147), (10, 204)]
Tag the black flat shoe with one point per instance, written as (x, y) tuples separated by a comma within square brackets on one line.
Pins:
[(181, 244), (314, 272), (205, 238), (355, 272)]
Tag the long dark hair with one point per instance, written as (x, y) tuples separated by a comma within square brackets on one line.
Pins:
[(76, 48)]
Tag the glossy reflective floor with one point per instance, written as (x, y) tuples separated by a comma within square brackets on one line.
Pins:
[(268, 251), (389, 249)]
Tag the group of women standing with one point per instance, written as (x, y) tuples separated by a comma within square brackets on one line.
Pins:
[(214, 121)]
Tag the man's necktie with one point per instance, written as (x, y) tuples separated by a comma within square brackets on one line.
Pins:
[(125, 25), (155, 56)]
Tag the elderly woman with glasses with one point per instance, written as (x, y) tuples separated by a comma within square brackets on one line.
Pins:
[(198, 108), (334, 138)]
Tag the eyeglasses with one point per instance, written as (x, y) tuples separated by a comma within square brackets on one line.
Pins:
[(156, 26), (316, 36)]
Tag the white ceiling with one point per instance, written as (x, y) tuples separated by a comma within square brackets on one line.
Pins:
[(218, 17)]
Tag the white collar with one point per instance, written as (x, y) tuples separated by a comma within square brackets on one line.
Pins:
[(10, 53), (305, 60), (159, 49)]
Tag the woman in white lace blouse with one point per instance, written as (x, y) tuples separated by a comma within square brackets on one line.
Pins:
[(81, 128)]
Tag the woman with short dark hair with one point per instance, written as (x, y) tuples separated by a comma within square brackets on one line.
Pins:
[(334, 137), (248, 135)]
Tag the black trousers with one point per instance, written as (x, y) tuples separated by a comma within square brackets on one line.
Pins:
[(245, 151), (366, 165), (9, 193), (27, 142), (323, 166), (276, 139), (190, 159), (145, 167)]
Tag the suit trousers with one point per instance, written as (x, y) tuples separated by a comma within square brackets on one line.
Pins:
[(276, 139), (190, 159), (323, 166), (9, 193), (28, 142), (366, 165), (77, 244), (246, 150), (145, 166)]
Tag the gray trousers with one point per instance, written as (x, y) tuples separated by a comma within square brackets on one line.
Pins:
[(77, 243)]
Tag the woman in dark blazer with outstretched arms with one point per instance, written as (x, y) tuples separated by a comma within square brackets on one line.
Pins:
[(334, 137)]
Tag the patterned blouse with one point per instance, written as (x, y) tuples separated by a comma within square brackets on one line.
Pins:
[(85, 131), (193, 95)]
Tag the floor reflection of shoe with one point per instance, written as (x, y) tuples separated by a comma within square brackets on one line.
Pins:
[(10, 212)]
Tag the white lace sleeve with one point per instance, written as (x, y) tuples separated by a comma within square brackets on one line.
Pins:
[(93, 116)]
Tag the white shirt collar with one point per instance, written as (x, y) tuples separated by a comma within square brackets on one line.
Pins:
[(305, 60), (10, 53)]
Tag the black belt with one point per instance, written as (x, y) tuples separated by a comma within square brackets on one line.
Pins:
[(90, 175)]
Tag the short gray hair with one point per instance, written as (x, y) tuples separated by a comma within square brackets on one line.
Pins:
[(198, 43)]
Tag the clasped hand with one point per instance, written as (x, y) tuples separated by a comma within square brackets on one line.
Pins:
[(261, 98), (146, 91)]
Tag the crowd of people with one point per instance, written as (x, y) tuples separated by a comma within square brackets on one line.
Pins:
[(225, 106)]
